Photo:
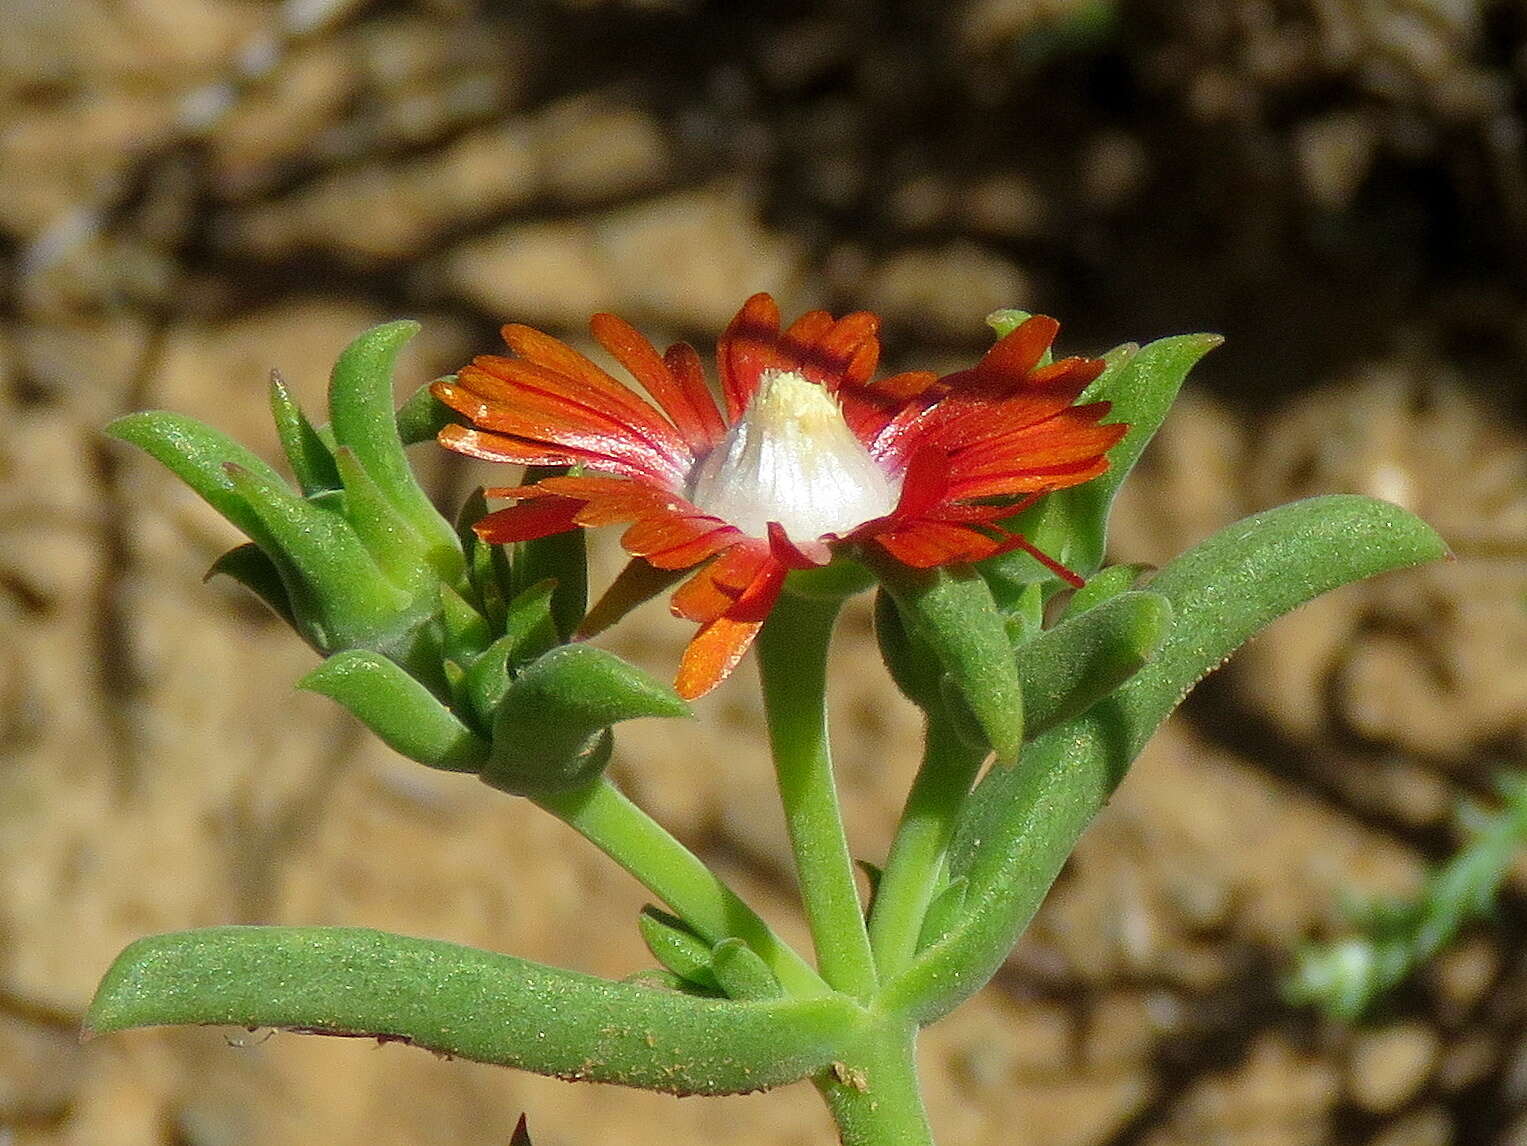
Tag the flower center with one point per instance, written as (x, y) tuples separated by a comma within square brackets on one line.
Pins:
[(792, 459)]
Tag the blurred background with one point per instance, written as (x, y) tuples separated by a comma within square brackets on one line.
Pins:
[(195, 191)]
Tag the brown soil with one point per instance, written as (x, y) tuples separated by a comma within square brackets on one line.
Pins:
[(193, 193)]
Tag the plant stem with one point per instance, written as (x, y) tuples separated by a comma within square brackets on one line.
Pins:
[(874, 1095), (605, 817), (792, 661), (927, 824)]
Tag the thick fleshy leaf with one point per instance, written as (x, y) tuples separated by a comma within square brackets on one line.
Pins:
[(943, 912), (951, 611), (487, 565), (197, 454), (422, 415), (470, 1004), (361, 409), (252, 568), (467, 633), (309, 455), (1102, 586), (550, 732), (356, 603), (1071, 525), (677, 948), (741, 972), (401, 711), (1020, 824), (388, 536), (1068, 669)]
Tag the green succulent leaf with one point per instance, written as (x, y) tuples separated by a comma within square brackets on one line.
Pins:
[(677, 948), (197, 454), (308, 454), (951, 612), (1071, 525), (1020, 824), (355, 602), (252, 568), (470, 1004), (741, 972), (1102, 586), (467, 633), (393, 543), (404, 714), (551, 731), (422, 415), (1068, 669), (943, 912), (361, 409), (487, 565)]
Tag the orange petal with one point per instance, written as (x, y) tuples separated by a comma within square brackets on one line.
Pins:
[(630, 348), (1016, 354), (716, 588), (924, 544), (529, 520), (713, 654), (684, 363)]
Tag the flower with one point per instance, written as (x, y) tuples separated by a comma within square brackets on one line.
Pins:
[(807, 455)]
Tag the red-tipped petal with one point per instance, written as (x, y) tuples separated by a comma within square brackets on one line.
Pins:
[(749, 346), (812, 554), (529, 520)]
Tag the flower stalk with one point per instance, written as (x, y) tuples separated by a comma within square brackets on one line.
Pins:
[(792, 664)]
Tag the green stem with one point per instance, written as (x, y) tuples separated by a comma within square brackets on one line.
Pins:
[(873, 1092), (603, 815), (792, 661), (927, 825)]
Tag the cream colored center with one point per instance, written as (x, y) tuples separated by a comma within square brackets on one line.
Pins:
[(792, 459)]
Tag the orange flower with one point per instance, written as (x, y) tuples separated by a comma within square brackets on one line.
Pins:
[(809, 454)]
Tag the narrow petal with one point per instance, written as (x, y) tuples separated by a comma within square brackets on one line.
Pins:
[(712, 655), (749, 347), (529, 520), (684, 362), (715, 589), (553, 354), (501, 448), (924, 544), (630, 348), (1014, 355), (806, 554)]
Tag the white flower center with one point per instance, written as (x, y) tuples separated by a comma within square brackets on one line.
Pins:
[(792, 459)]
